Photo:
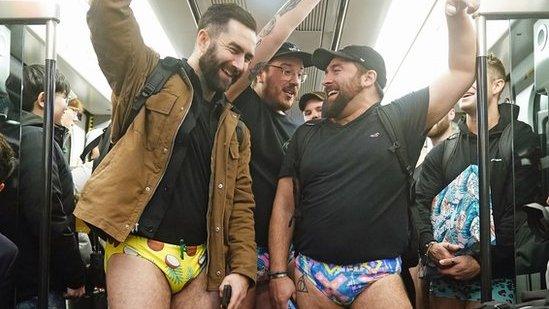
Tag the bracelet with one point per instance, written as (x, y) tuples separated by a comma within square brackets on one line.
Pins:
[(429, 246), (278, 274)]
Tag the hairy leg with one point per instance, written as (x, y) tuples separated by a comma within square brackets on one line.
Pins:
[(387, 292), (195, 295), (446, 303), (128, 288)]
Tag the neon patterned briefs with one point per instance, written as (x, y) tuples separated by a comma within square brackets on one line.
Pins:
[(264, 263), (342, 284), (178, 271)]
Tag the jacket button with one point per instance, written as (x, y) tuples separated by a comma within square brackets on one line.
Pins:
[(165, 150), (220, 186), (217, 229), (218, 273), (148, 189), (127, 226)]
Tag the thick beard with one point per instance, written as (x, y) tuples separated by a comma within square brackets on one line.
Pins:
[(334, 109), (343, 98), (210, 65)]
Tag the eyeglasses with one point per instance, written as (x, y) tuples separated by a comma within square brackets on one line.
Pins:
[(288, 74)]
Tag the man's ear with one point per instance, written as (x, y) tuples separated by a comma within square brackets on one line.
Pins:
[(41, 101), (2, 186), (497, 86), (368, 78), (203, 40)]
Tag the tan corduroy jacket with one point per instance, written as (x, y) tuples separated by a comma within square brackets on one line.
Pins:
[(118, 191)]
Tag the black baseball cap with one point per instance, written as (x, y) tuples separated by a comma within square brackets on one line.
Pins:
[(364, 55), (319, 95), (291, 50)]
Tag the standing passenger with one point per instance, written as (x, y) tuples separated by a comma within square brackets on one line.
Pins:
[(351, 223), (173, 204), (263, 106), (310, 105), (448, 173)]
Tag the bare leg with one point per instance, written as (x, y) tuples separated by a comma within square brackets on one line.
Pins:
[(194, 295), (128, 288), (446, 303), (387, 292), (249, 301), (262, 297), (422, 297), (472, 304), (308, 296)]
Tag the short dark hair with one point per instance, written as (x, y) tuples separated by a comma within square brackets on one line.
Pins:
[(7, 159), (362, 70), (218, 15), (33, 84)]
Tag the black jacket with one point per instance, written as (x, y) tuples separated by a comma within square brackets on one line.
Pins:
[(504, 188), (66, 268)]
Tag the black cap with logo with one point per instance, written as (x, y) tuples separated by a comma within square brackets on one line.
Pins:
[(318, 95), (364, 55), (291, 50)]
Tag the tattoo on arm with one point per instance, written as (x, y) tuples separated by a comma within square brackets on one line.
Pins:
[(256, 69), (301, 285), (288, 6)]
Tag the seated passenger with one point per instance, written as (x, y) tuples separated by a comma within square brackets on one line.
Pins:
[(67, 269), (447, 188), (310, 105)]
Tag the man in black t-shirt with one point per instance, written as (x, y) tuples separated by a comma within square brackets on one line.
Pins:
[(351, 222), (263, 108)]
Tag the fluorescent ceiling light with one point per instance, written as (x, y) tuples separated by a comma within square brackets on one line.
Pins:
[(74, 45), (428, 57)]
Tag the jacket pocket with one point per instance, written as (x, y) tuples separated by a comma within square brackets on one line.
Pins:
[(157, 112)]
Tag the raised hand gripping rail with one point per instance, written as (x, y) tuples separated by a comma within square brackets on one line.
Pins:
[(41, 13)]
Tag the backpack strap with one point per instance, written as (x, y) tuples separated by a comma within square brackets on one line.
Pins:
[(165, 68), (450, 146), (398, 146), (505, 144)]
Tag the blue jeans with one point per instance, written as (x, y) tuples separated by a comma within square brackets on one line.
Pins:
[(55, 301)]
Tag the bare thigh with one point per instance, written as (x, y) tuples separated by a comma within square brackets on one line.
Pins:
[(308, 296), (128, 288), (249, 301), (195, 295), (472, 304), (446, 303), (385, 293)]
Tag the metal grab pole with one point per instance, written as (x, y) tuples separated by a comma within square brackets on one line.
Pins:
[(45, 222), (483, 163)]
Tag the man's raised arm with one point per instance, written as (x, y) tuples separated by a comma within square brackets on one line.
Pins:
[(271, 37), (446, 90)]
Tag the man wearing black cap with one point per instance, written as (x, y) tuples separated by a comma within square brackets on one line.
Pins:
[(351, 218), (262, 107), (310, 105)]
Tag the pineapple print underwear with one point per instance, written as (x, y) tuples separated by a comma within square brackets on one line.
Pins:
[(179, 264)]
